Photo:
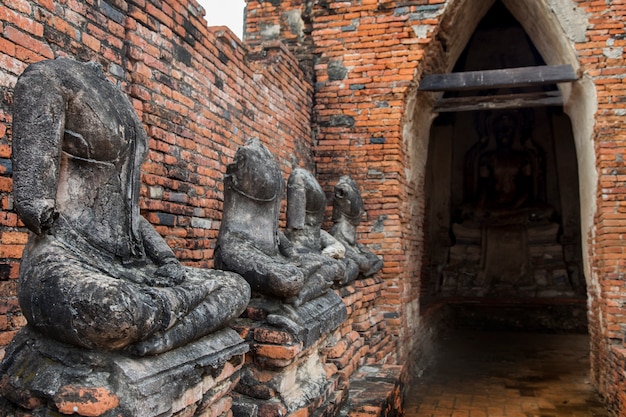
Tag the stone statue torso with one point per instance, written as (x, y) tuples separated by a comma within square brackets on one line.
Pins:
[(305, 210), (253, 187), (103, 145), (95, 273)]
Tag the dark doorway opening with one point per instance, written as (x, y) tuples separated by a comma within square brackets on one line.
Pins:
[(502, 245)]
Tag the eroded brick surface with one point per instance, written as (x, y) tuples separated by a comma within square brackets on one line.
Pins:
[(85, 401)]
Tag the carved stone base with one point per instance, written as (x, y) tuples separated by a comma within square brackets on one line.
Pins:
[(305, 324), (42, 377), (285, 372), (508, 261)]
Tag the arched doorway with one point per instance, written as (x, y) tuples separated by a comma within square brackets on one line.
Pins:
[(502, 185), (479, 249), (545, 41)]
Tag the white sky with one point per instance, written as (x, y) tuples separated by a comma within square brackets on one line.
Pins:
[(225, 13)]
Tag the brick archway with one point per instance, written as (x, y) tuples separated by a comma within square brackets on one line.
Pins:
[(543, 21), (538, 18)]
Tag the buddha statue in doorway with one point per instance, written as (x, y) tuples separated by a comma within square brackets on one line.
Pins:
[(504, 177), (505, 232)]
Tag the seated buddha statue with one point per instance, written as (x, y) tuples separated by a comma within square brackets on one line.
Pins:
[(250, 242), (306, 203), (348, 208), (95, 273), (504, 214), (507, 179)]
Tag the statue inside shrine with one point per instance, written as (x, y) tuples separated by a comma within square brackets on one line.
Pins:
[(505, 182), (348, 209), (95, 273), (249, 241), (505, 232)]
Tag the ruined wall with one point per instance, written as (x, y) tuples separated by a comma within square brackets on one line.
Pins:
[(366, 59), (199, 91), (602, 57)]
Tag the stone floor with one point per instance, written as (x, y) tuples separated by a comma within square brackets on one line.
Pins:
[(497, 374)]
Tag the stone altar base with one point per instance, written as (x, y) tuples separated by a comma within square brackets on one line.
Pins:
[(285, 372), (42, 377), (509, 261)]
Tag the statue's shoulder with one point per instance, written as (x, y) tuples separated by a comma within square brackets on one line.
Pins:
[(51, 67), (60, 72)]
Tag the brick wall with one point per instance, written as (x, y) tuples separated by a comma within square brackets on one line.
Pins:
[(199, 91), (366, 58), (602, 57)]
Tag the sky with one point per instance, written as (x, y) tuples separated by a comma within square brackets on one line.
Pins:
[(225, 12)]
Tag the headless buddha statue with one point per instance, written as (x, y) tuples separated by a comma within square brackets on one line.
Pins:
[(306, 203), (95, 273), (348, 209), (249, 241)]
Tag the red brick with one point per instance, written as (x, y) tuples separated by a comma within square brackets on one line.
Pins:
[(11, 251), (272, 409), (91, 42), (302, 412), (85, 401), (277, 351), (273, 336), (28, 42), (11, 238), (11, 64), (337, 350), (6, 337)]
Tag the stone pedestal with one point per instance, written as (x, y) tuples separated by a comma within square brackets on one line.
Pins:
[(41, 377), (510, 260), (285, 373)]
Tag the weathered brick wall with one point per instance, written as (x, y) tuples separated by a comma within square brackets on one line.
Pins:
[(199, 91), (367, 58), (602, 56)]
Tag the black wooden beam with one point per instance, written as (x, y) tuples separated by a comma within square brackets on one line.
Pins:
[(502, 78), (504, 101)]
